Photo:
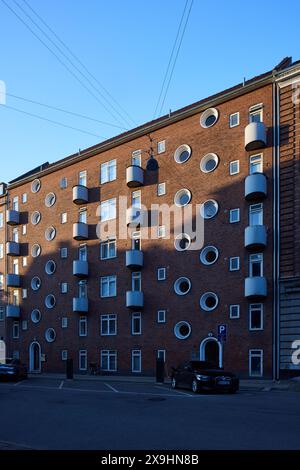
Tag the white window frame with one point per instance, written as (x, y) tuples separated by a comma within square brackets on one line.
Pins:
[(161, 189), (161, 274), (136, 278), (161, 231), (16, 330), (256, 109), (109, 318), (161, 316), (1, 219), (232, 259), (24, 325), (108, 209), (260, 307), (63, 184), (1, 250), (112, 279), (161, 146), (64, 252), (15, 203), (64, 287), (230, 119), (252, 261), (256, 209), (107, 243), (82, 178), (256, 353), (64, 355), (231, 215), (82, 215), (136, 158), (82, 353), (256, 157), (135, 316), (24, 229), (64, 217), (64, 322), (83, 324), (136, 353), (24, 261), (161, 352), (237, 162), (108, 353), (24, 198), (234, 307), (136, 199), (108, 171)]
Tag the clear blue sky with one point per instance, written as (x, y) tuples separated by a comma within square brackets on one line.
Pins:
[(126, 45)]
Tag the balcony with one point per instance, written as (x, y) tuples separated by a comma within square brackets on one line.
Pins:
[(80, 304), (80, 231), (80, 194), (13, 311), (255, 237), (255, 136), (255, 186), (13, 249), (134, 259), (80, 268), (255, 287), (13, 280), (135, 216), (134, 299), (12, 217), (134, 176)]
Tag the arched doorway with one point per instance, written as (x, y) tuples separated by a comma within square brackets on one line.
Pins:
[(35, 357), (211, 350)]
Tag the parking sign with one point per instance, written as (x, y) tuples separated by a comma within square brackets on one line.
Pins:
[(222, 332)]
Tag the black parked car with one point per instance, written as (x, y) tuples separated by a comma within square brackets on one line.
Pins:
[(13, 369), (202, 375)]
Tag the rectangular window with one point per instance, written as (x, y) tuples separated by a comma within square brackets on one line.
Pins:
[(24, 293), (234, 216), (161, 274), (256, 317), (64, 322), (234, 311), (108, 286), (136, 158), (256, 214), (136, 360), (15, 266), (161, 354), (256, 113), (136, 242), (136, 199), (161, 231), (63, 183), (136, 323), (64, 253), (1, 219), (82, 216), (82, 253), (15, 297), (108, 249), (64, 218), (108, 360), (24, 325), (234, 119), (24, 261), (15, 235), (234, 263), (82, 289), (161, 189), (256, 265), (108, 171), (64, 288), (161, 146), (136, 281), (1, 313), (64, 355), (108, 209), (1, 250), (256, 362), (16, 330), (161, 316), (24, 198), (83, 359), (82, 178), (108, 325), (256, 164), (1, 281), (15, 203), (234, 167), (83, 326), (24, 229)]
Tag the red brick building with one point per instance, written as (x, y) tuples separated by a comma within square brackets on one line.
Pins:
[(120, 302)]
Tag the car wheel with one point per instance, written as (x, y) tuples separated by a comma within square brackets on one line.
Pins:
[(174, 383), (195, 387)]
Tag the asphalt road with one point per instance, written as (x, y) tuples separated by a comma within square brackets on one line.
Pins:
[(47, 414)]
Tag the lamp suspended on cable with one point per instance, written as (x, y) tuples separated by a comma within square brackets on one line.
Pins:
[(152, 164)]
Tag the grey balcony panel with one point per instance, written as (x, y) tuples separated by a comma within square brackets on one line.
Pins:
[(80, 268), (80, 231), (136, 217), (255, 136), (13, 311), (12, 217), (13, 249), (80, 194), (134, 299), (255, 236), (80, 304), (134, 176), (255, 186), (134, 259), (255, 287), (13, 280)]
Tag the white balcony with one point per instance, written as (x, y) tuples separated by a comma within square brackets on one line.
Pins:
[(12, 217), (134, 176), (255, 186), (255, 237), (255, 136), (134, 299), (13, 311), (80, 231), (80, 304), (134, 259), (12, 249), (80, 268), (80, 194), (255, 287)]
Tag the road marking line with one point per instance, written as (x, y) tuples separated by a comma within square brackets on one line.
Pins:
[(61, 385), (112, 388), (17, 384), (182, 393), (17, 444)]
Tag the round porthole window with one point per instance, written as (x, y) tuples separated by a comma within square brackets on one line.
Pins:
[(209, 255), (209, 301), (209, 117), (182, 330), (182, 197), (209, 162), (209, 209), (50, 233), (182, 242), (50, 301), (36, 283), (50, 200), (50, 267), (50, 335), (182, 153), (36, 250), (35, 217), (36, 315), (35, 186), (182, 286)]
